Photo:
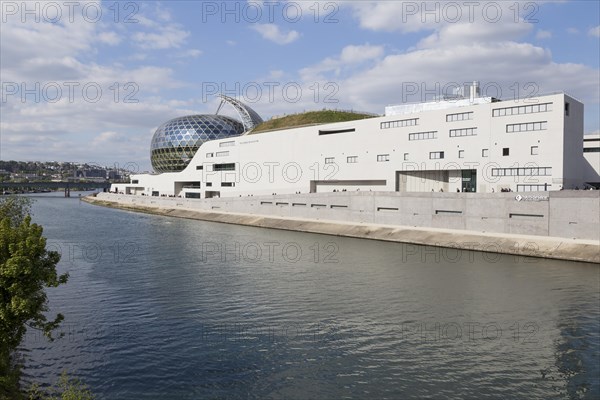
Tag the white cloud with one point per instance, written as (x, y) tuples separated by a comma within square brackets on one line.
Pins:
[(542, 34), (357, 54), (276, 74), (110, 38), (413, 16), (166, 37), (349, 57), (501, 67), (497, 66), (594, 31), (191, 53), (108, 137), (273, 33), (231, 42), (465, 33), (573, 31), (43, 53)]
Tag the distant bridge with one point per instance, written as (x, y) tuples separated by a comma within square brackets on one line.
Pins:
[(67, 186)]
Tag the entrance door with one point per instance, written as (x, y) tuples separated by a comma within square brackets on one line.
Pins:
[(469, 180)]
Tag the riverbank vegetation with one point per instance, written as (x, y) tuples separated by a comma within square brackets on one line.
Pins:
[(27, 268)]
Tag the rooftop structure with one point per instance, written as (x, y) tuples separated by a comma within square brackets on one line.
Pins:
[(175, 142)]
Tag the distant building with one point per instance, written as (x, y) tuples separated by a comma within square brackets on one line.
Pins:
[(112, 174), (464, 142)]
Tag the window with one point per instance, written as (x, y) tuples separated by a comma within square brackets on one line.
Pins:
[(330, 160), (222, 153), (537, 108), (227, 144), (527, 127), (352, 159), (422, 135), (208, 184), (209, 155), (459, 117), (199, 167), (463, 132), (485, 152), (405, 156), (461, 154), (399, 124), (534, 150), (505, 151), (135, 181), (383, 157), (224, 167), (567, 109), (435, 155), (227, 184), (529, 171), (591, 150)]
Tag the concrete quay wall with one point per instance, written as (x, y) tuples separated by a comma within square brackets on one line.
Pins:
[(563, 225), (569, 214)]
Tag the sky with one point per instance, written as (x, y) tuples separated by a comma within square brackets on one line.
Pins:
[(90, 81)]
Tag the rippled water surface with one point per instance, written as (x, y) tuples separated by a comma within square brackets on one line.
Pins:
[(166, 308)]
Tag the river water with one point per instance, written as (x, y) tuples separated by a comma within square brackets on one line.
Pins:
[(166, 308)]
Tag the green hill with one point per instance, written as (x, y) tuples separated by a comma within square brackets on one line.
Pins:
[(309, 118)]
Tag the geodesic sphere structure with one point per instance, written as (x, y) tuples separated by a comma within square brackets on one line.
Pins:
[(175, 142)]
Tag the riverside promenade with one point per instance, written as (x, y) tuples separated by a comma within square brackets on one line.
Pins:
[(443, 218)]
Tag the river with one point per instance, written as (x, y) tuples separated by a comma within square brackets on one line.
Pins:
[(166, 308)]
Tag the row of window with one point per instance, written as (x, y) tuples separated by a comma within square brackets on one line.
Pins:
[(533, 171), (354, 159), (459, 117), (465, 116), (501, 112), (434, 155), (527, 127), (422, 135), (463, 132), (399, 123), (227, 144)]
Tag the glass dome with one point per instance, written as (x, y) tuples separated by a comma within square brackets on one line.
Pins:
[(175, 142)]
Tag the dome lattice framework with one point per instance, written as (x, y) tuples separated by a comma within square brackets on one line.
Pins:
[(175, 142)]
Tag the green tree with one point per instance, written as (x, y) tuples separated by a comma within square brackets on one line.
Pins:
[(66, 389), (26, 270)]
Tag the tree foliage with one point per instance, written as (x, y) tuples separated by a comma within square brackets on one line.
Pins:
[(26, 270), (66, 389)]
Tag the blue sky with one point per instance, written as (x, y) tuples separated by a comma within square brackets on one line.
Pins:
[(157, 60)]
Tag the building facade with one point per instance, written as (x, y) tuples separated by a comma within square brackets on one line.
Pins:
[(466, 144)]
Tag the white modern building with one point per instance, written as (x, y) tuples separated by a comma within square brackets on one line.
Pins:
[(467, 143)]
